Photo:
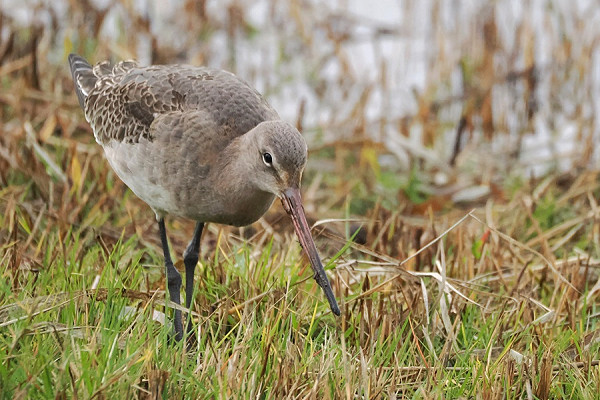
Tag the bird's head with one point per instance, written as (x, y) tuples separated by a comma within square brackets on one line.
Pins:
[(279, 156)]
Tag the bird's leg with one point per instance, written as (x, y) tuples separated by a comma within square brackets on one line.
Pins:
[(173, 279), (190, 259)]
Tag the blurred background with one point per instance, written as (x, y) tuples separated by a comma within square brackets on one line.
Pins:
[(410, 108), (424, 98)]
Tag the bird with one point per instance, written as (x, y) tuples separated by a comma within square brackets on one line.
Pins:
[(197, 143)]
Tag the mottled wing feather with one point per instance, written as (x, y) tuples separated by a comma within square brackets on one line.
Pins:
[(102, 69), (126, 102)]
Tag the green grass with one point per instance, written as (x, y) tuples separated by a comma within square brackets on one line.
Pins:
[(61, 338)]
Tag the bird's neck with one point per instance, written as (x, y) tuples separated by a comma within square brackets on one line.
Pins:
[(246, 202), (235, 166)]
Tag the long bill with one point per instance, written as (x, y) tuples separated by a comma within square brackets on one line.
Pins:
[(292, 203)]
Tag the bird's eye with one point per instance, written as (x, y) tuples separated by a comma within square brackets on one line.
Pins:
[(268, 159)]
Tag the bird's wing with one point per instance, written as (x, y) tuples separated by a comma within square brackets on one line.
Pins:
[(126, 101)]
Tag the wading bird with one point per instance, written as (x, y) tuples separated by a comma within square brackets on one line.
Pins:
[(197, 143)]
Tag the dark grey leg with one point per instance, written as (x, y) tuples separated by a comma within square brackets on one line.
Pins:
[(190, 259), (173, 279)]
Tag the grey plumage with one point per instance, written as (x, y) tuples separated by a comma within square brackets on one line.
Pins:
[(174, 127), (122, 102)]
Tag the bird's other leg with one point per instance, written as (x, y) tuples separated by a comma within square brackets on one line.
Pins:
[(173, 279), (190, 260)]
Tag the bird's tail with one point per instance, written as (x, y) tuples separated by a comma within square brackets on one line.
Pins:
[(83, 77)]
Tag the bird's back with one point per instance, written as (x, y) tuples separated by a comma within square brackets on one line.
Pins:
[(122, 102)]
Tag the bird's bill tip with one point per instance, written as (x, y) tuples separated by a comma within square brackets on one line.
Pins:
[(292, 203)]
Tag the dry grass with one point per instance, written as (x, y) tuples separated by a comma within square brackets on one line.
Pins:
[(469, 276)]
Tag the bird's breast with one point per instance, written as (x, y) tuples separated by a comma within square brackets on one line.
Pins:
[(173, 184), (229, 207)]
